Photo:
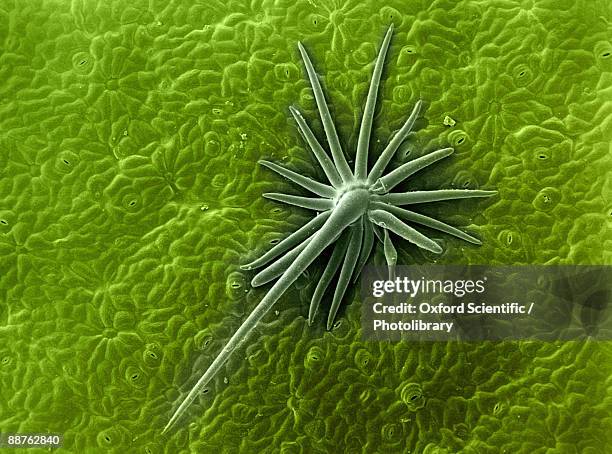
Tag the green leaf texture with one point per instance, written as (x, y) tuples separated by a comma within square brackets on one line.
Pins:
[(130, 195)]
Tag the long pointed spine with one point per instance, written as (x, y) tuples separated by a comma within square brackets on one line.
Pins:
[(330, 271), (407, 198), (366, 248), (392, 179), (426, 221), (328, 125), (343, 216), (279, 266), (391, 222), (350, 260), (324, 161), (394, 144), (313, 186), (363, 142), (291, 241)]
